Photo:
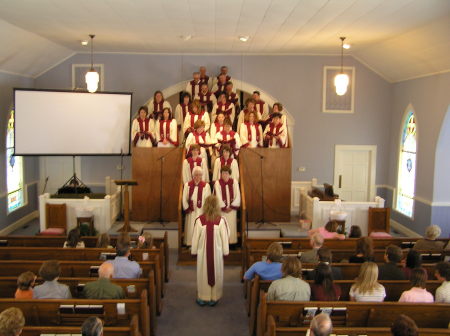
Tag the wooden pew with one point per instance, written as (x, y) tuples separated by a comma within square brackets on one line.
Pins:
[(46, 312), (352, 314), (131, 330)]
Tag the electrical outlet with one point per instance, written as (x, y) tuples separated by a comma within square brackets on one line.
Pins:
[(301, 169)]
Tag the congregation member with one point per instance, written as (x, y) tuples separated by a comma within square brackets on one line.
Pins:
[(413, 260), (51, 288), (321, 325), (275, 133), (404, 326), (124, 268), (12, 322), (195, 193), (269, 269), (103, 288), (218, 125), (145, 241), (310, 256), (442, 274), (204, 78), (249, 108), (418, 292), (207, 98), (324, 288), (92, 326), (232, 96), (389, 270), (260, 105), (364, 251), (366, 287), (192, 161), (74, 239), (193, 86), (182, 109), (104, 241), (142, 129), (166, 130), (25, 284), (219, 86), (227, 191), (325, 257), (251, 131), (355, 232), (329, 231), (291, 287), (199, 137), (228, 137), (157, 104), (224, 106), (429, 242), (195, 113), (226, 159), (210, 245)]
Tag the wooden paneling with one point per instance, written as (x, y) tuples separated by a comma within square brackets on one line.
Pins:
[(56, 216), (146, 170)]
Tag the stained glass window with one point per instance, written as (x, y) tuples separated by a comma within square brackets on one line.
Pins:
[(14, 170), (407, 166)]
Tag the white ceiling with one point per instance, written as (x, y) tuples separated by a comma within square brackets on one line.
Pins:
[(399, 39)]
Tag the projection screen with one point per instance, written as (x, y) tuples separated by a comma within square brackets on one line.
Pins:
[(71, 123)]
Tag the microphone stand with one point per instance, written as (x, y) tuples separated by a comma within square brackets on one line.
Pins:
[(121, 177)]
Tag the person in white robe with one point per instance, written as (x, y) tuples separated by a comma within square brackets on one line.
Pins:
[(226, 159), (142, 129), (194, 196), (195, 113), (157, 104), (193, 86), (215, 128), (251, 131), (200, 137), (207, 98), (166, 131), (231, 95), (260, 105), (276, 108), (182, 109), (204, 78), (228, 137), (249, 107), (224, 106), (229, 194), (210, 245), (219, 86), (275, 134), (194, 160), (223, 72)]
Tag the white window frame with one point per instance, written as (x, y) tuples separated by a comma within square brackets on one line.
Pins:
[(324, 89), (87, 67)]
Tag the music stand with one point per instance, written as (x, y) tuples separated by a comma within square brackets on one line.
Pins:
[(126, 207)]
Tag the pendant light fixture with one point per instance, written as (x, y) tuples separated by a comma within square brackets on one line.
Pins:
[(92, 76), (341, 80)]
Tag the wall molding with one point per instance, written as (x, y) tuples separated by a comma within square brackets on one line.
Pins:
[(403, 229), (19, 223), (26, 185), (417, 198)]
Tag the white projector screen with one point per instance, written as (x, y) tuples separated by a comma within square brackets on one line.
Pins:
[(71, 123)]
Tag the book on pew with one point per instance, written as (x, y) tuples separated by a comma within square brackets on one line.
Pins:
[(308, 314), (66, 309), (93, 271), (285, 244), (3, 242), (80, 288), (89, 309), (431, 257), (107, 255), (405, 245)]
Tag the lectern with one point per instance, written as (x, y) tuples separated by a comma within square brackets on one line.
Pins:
[(126, 207)]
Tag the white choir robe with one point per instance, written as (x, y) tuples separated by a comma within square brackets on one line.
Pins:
[(222, 137), (214, 129), (204, 101), (190, 218), (242, 118), (172, 136), (235, 203), (206, 292), (187, 171), (135, 129), (231, 108), (191, 139), (234, 169), (193, 90), (283, 119), (191, 118), (215, 80), (179, 115), (208, 81), (253, 143), (151, 108), (281, 131), (218, 88), (264, 111)]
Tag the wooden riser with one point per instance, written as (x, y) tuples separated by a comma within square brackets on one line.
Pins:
[(186, 258)]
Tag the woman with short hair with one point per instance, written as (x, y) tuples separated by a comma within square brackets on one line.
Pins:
[(366, 287), (418, 292), (51, 288)]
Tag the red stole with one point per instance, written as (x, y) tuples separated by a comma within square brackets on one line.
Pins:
[(260, 103), (223, 186), (193, 85), (204, 79), (221, 86), (200, 117), (192, 186), (143, 127), (275, 131), (232, 98), (164, 132), (218, 126), (224, 162), (198, 136), (192, 163), (157, 108), (231, 142), (225, 108), (205, 98), (210, 247), (249, 132), (227, 80)]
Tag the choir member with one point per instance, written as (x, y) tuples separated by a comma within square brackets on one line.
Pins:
[(182, 108), (275, 134), (206, 97), (166, 130), (204, 78), (193, 86), (210, 244), (249, 107), (276, 108), (218, 124), (220, 85), (194, 195), (194, 160), (195, 113), (226, 159), (251, 131), (224, 72), (227, 190), (200, 137), (157, 104), (231, 95), (142, 129), (228, 137), (225, 106), (260, 105)]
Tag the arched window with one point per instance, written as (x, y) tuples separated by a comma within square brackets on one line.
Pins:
[(14, 170), (407, 166)]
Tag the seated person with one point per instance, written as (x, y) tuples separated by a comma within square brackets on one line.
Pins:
[(104, 241), (325, 256), (390, 270), (269, 269), (12, 322), (366, 287), (328, 231), (413, 260), (199, 137), (123, 267), (316, 242), (355, 232), (193, 86), (249, 107), (25, 283), (103, 288), (251, 131), (73, 239), (275, 134), (194, 160), (182, 109), (364, 251), (291, 287), (195, 113), (166, 131), (418, 292), (51, 288), (142, 129), (92, 326), (404, 326), (430, 243), (226, 160), (442, 274), (157, 104), (228, 137), (323, 288), (207, 98), (321, 325), (145, 241), (224, 106), (260, 105)]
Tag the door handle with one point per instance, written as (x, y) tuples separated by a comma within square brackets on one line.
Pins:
[(340, 181)]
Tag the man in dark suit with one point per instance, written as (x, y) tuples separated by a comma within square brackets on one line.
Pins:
[(390, 270)]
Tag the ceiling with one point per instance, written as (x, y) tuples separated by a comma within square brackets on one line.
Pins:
[(399, 39)]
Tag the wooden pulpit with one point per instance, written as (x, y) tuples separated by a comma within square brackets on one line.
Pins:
[(126, 207)]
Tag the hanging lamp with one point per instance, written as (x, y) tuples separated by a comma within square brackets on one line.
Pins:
[(341, 80), (92, 76)]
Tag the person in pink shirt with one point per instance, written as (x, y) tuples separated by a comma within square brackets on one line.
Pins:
[(328, 231), (418, 292)]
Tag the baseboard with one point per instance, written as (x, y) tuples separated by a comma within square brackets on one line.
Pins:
[(19, 223), (403, 229)]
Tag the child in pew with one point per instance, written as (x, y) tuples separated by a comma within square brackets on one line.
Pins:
[(366, 287), (364, 251), (73, 239), (355, 232), (25, 284), (413, 260), (145, 241), (418, 292), (104, 241), (404, 326), (92, 326), (269, 269), (442, 274), (12, 322)]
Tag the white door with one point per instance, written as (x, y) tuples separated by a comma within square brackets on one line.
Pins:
[(354, 172), (58, 169)]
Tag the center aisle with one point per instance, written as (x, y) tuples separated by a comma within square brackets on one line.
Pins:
[(181, 316)]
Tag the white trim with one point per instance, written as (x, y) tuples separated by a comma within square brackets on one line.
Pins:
[(54, 65), (385, 186), (422, 76), (324, 89), (422, 200), (403, 229), (210, 53), (360, 60), (102, 74), (15, 74), (19, 223)]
